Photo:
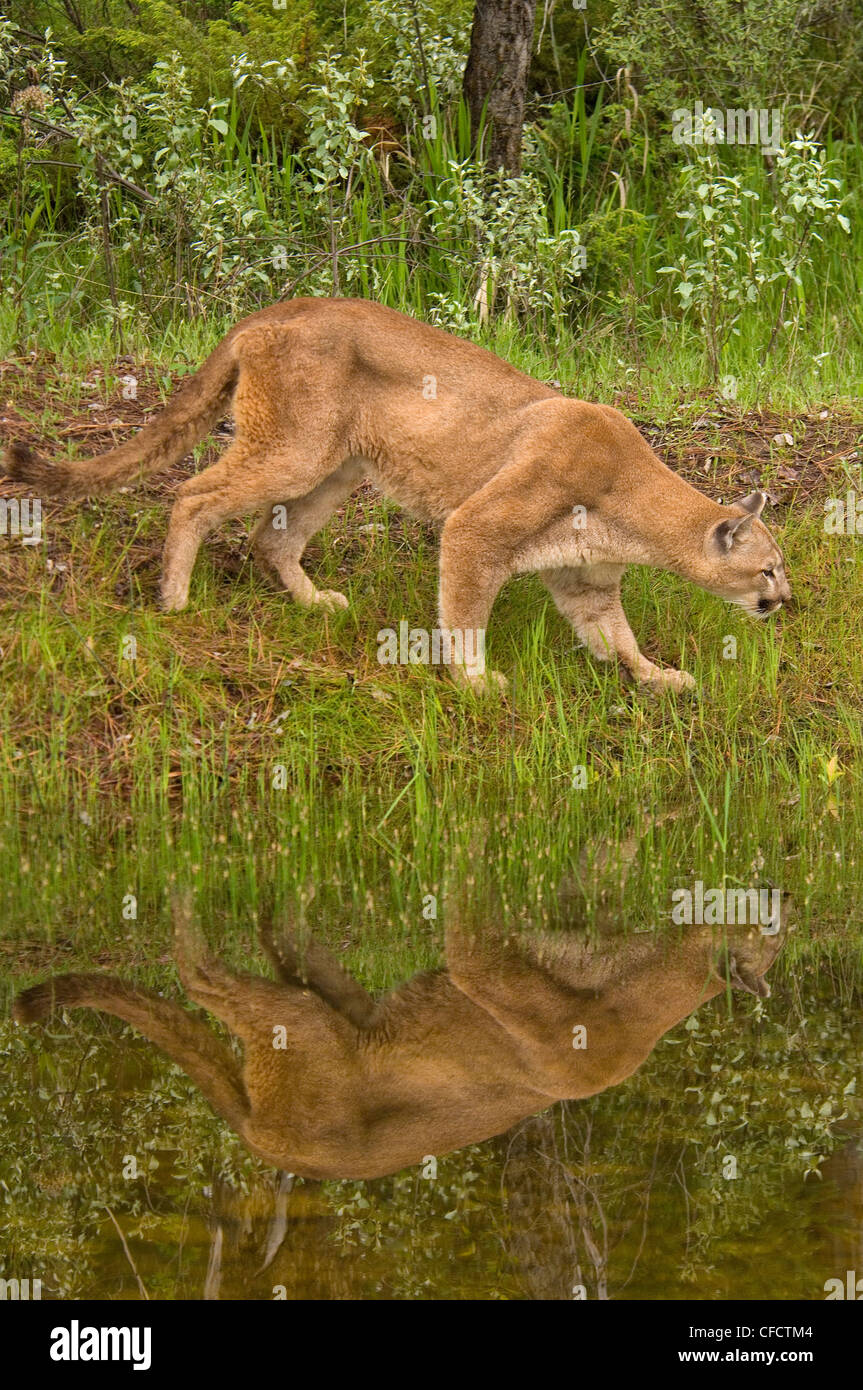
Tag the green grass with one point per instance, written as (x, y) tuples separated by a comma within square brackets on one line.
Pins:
[(245, 680)]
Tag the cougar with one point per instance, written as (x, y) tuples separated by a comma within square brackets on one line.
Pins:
[(328, 392), (337, 1085)]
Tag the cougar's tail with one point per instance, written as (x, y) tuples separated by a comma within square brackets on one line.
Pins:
[(185, 1037), (187, 418)]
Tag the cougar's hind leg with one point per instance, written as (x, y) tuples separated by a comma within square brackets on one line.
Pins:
[(288, 526), (314, 967), (221, 991), (247, 477), (225, 489)]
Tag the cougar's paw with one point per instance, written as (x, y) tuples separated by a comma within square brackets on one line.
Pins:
[(481, 682), (667, 679), (330, 600), (173, 599)]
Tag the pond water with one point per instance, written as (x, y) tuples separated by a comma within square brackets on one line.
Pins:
[(726, 1164)]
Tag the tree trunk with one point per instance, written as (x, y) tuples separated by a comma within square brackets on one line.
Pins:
[(496, 74)]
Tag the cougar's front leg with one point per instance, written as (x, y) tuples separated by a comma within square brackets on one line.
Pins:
[(589, 598), (469, 584), (539, 1010), (480, 545)]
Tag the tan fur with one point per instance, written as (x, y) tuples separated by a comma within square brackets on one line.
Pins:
[(450, 1058), (328, 392)]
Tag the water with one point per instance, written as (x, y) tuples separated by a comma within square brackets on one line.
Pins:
[(728, 1164)]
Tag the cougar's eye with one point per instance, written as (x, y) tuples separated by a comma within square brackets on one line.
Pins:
[(768, 574)]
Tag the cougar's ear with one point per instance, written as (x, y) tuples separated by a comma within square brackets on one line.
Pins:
[(728, 532), (754, 503)]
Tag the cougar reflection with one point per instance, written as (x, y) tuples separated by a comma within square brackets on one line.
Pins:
[(335, 1084)]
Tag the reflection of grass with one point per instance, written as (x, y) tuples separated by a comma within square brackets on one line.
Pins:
[(362, 866)]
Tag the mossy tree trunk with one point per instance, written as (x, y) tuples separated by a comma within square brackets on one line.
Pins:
[(495, 77)]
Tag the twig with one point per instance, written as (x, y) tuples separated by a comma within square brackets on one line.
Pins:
[(104, 425), (128, 1253)]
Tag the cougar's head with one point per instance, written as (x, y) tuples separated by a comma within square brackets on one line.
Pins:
[(748, 952), (745, 563)]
